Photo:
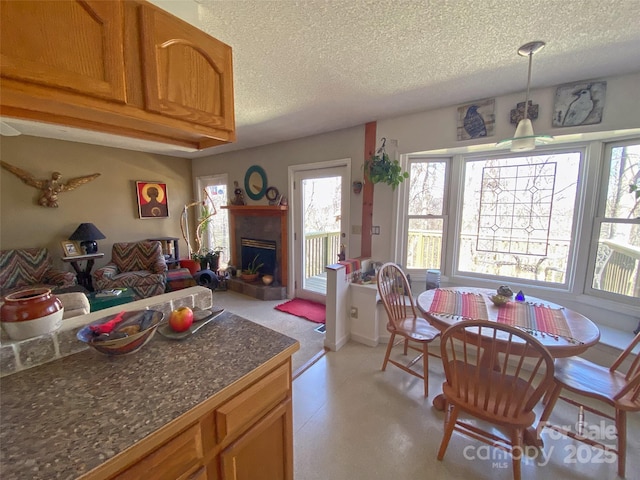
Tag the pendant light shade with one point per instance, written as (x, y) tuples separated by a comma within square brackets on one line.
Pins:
[(524, 139)]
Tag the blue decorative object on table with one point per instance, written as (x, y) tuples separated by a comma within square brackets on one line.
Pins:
[(520, 296)]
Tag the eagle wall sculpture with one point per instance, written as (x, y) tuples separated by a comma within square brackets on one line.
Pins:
[(49, 188)]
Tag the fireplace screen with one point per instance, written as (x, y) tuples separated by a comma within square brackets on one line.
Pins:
[(264, 249)]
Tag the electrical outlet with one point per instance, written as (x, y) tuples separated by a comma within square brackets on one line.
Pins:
[(375, 230), (354, 312)]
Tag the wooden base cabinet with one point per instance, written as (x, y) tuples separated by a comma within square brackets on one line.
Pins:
[(245, 434), (261, 453), (119, 67)]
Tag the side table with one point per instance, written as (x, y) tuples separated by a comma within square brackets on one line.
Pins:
[(84, 276)]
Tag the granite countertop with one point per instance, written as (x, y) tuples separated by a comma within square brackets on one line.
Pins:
[(66, 417)]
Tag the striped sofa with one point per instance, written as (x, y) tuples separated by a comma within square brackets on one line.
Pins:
[(31, 268), (139, 266)]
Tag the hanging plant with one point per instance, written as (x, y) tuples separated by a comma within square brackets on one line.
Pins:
[(381, 169)]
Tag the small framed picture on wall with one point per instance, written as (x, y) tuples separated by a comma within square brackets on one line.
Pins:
[(152, 199)]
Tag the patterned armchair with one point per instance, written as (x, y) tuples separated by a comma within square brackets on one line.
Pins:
[(139, 266), (31, 267)]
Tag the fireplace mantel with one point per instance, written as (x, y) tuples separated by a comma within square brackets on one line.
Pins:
[(272, 213), (256, 209)]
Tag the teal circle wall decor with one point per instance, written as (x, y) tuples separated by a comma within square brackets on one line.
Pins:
[(255, 182)]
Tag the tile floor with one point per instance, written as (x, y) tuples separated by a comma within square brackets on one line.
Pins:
[(352, 421)]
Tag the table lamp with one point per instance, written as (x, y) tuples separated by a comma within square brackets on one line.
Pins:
[(87, 234)]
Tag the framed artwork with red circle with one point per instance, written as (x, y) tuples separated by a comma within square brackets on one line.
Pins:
[(152, 199)]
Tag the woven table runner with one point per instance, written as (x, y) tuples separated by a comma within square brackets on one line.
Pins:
[(465, 305), (535, 318)]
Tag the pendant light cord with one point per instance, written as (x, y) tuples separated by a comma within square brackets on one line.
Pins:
[(526, 98)]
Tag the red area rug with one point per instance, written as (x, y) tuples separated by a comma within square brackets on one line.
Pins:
[(316, 312)]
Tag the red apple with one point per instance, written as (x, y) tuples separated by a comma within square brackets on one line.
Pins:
[(181, 319)]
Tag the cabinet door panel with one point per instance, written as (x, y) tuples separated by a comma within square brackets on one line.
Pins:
[(264, 452), (253, 403), (171, 460), (187, 74), (73, 45)]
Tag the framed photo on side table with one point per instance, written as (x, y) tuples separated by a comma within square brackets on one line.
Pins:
[(71, 248), (152, 199)]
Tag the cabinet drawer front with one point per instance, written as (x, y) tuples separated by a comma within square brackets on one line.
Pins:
[(171, 460), (74, 46), (253, 403)]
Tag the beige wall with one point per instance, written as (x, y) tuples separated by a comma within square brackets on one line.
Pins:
[(108, 201)]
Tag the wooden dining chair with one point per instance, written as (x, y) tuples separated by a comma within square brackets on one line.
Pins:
[(617, 386), (415, 332), (496, 373)]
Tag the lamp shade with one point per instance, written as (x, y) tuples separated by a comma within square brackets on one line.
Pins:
[(524, 139), (87, 234)]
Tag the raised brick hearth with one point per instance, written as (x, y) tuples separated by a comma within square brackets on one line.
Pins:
[(256, 290)]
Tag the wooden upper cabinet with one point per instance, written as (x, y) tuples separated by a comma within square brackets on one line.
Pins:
[(86, 56), (119, 67), (187, 74)]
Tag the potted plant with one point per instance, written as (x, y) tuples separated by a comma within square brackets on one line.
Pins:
[(202, 259), (380, 169), (250, 274)]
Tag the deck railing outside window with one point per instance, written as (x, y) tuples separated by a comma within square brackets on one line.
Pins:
[(618, 271), (320, 249)]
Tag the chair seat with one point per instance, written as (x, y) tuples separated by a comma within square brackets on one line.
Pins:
[(417, 329), (492, 388), (132, 279), (593, 380)]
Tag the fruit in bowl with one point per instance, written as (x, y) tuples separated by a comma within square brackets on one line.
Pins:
[(181, 319), (499, 300), (123, 333)]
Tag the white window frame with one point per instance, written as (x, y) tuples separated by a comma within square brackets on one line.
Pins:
[(599, 218), (219, 179), (569, 279), (578, 280), (403, 251)]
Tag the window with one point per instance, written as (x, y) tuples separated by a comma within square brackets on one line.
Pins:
[(518, 216), (216, 232), (426, 208), (615, 268), (566, 219)]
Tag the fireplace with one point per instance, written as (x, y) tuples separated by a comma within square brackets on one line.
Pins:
[(261, 251), (264, 223)]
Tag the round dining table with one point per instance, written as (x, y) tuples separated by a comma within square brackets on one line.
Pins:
[(575, 335), (562, 331)]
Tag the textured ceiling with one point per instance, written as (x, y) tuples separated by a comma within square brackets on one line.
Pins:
[(312, 66), (305, 67)]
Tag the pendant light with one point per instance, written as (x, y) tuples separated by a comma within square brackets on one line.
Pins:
[(524, 139)]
